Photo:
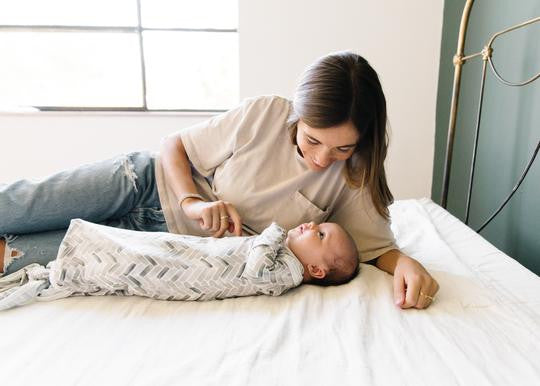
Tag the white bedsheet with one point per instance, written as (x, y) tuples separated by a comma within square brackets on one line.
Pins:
[(483, 328)]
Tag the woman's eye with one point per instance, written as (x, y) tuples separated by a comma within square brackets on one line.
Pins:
[(321, 235), (344, 149), (312, 141)]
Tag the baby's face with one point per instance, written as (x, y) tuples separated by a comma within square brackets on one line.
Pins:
[(317, 244)]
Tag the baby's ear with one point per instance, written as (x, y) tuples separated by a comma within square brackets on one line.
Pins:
[(316, 271)]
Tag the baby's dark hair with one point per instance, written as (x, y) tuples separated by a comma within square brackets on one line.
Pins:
[(344, 269)]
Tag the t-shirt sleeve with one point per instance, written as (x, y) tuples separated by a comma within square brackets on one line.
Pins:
[(356, 213), (211, 142)]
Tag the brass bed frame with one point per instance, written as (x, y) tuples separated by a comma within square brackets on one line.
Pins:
[(459, 59)]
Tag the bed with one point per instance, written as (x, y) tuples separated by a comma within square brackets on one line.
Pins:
[(482, 328)]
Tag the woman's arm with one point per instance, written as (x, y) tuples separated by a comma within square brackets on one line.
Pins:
[(213, 216), (176, 167), (413, 285)]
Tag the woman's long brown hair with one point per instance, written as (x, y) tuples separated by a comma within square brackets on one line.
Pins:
[(342, 87)]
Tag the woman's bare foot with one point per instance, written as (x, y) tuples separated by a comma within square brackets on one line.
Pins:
[(6, 259)]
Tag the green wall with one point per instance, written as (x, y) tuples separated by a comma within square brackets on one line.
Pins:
[(510, 126)]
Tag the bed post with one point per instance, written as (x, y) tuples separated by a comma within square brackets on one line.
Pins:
[(458, 63)]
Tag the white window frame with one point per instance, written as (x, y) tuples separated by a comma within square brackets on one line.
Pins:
[(138, 29)]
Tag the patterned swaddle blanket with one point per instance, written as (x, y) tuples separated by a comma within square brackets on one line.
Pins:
[(99, 260)]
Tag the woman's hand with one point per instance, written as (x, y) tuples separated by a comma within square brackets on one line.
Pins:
[(217, 216), (413, 285)]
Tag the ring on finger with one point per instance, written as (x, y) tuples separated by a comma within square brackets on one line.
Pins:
[(224, 217), (427, 296)]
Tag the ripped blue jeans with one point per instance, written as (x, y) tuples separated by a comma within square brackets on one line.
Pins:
[(119, 192)]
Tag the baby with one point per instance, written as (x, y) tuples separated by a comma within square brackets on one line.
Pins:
[(99, 260), (327, 252)]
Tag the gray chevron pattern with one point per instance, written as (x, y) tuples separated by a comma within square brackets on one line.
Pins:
[(99, 260)]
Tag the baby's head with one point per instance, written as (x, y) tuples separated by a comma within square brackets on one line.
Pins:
[(327, 252)]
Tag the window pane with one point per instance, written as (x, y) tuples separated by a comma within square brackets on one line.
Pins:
[(189, 13), (70, 69), (69, 12), (191, 70)]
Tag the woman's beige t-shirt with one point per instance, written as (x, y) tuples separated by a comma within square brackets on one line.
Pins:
[(245, 156)]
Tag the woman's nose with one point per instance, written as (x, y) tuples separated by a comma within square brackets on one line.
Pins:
[(323, 158)]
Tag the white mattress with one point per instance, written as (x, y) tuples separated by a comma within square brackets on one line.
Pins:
[(482, 329)]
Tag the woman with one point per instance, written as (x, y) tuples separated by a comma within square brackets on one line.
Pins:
[(319, 158)]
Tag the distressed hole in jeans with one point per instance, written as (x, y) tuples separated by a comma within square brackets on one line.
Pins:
[(10, 254), (129, 170)]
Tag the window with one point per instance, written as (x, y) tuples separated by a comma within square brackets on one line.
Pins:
[(141, 55)]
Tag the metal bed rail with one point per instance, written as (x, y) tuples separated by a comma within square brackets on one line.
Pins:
[(487, 57)]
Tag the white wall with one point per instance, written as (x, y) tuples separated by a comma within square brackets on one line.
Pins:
[(278, 39), (35, 145), (401, 40)]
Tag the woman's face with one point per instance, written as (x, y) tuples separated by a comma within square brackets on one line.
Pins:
[(321, 147)]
